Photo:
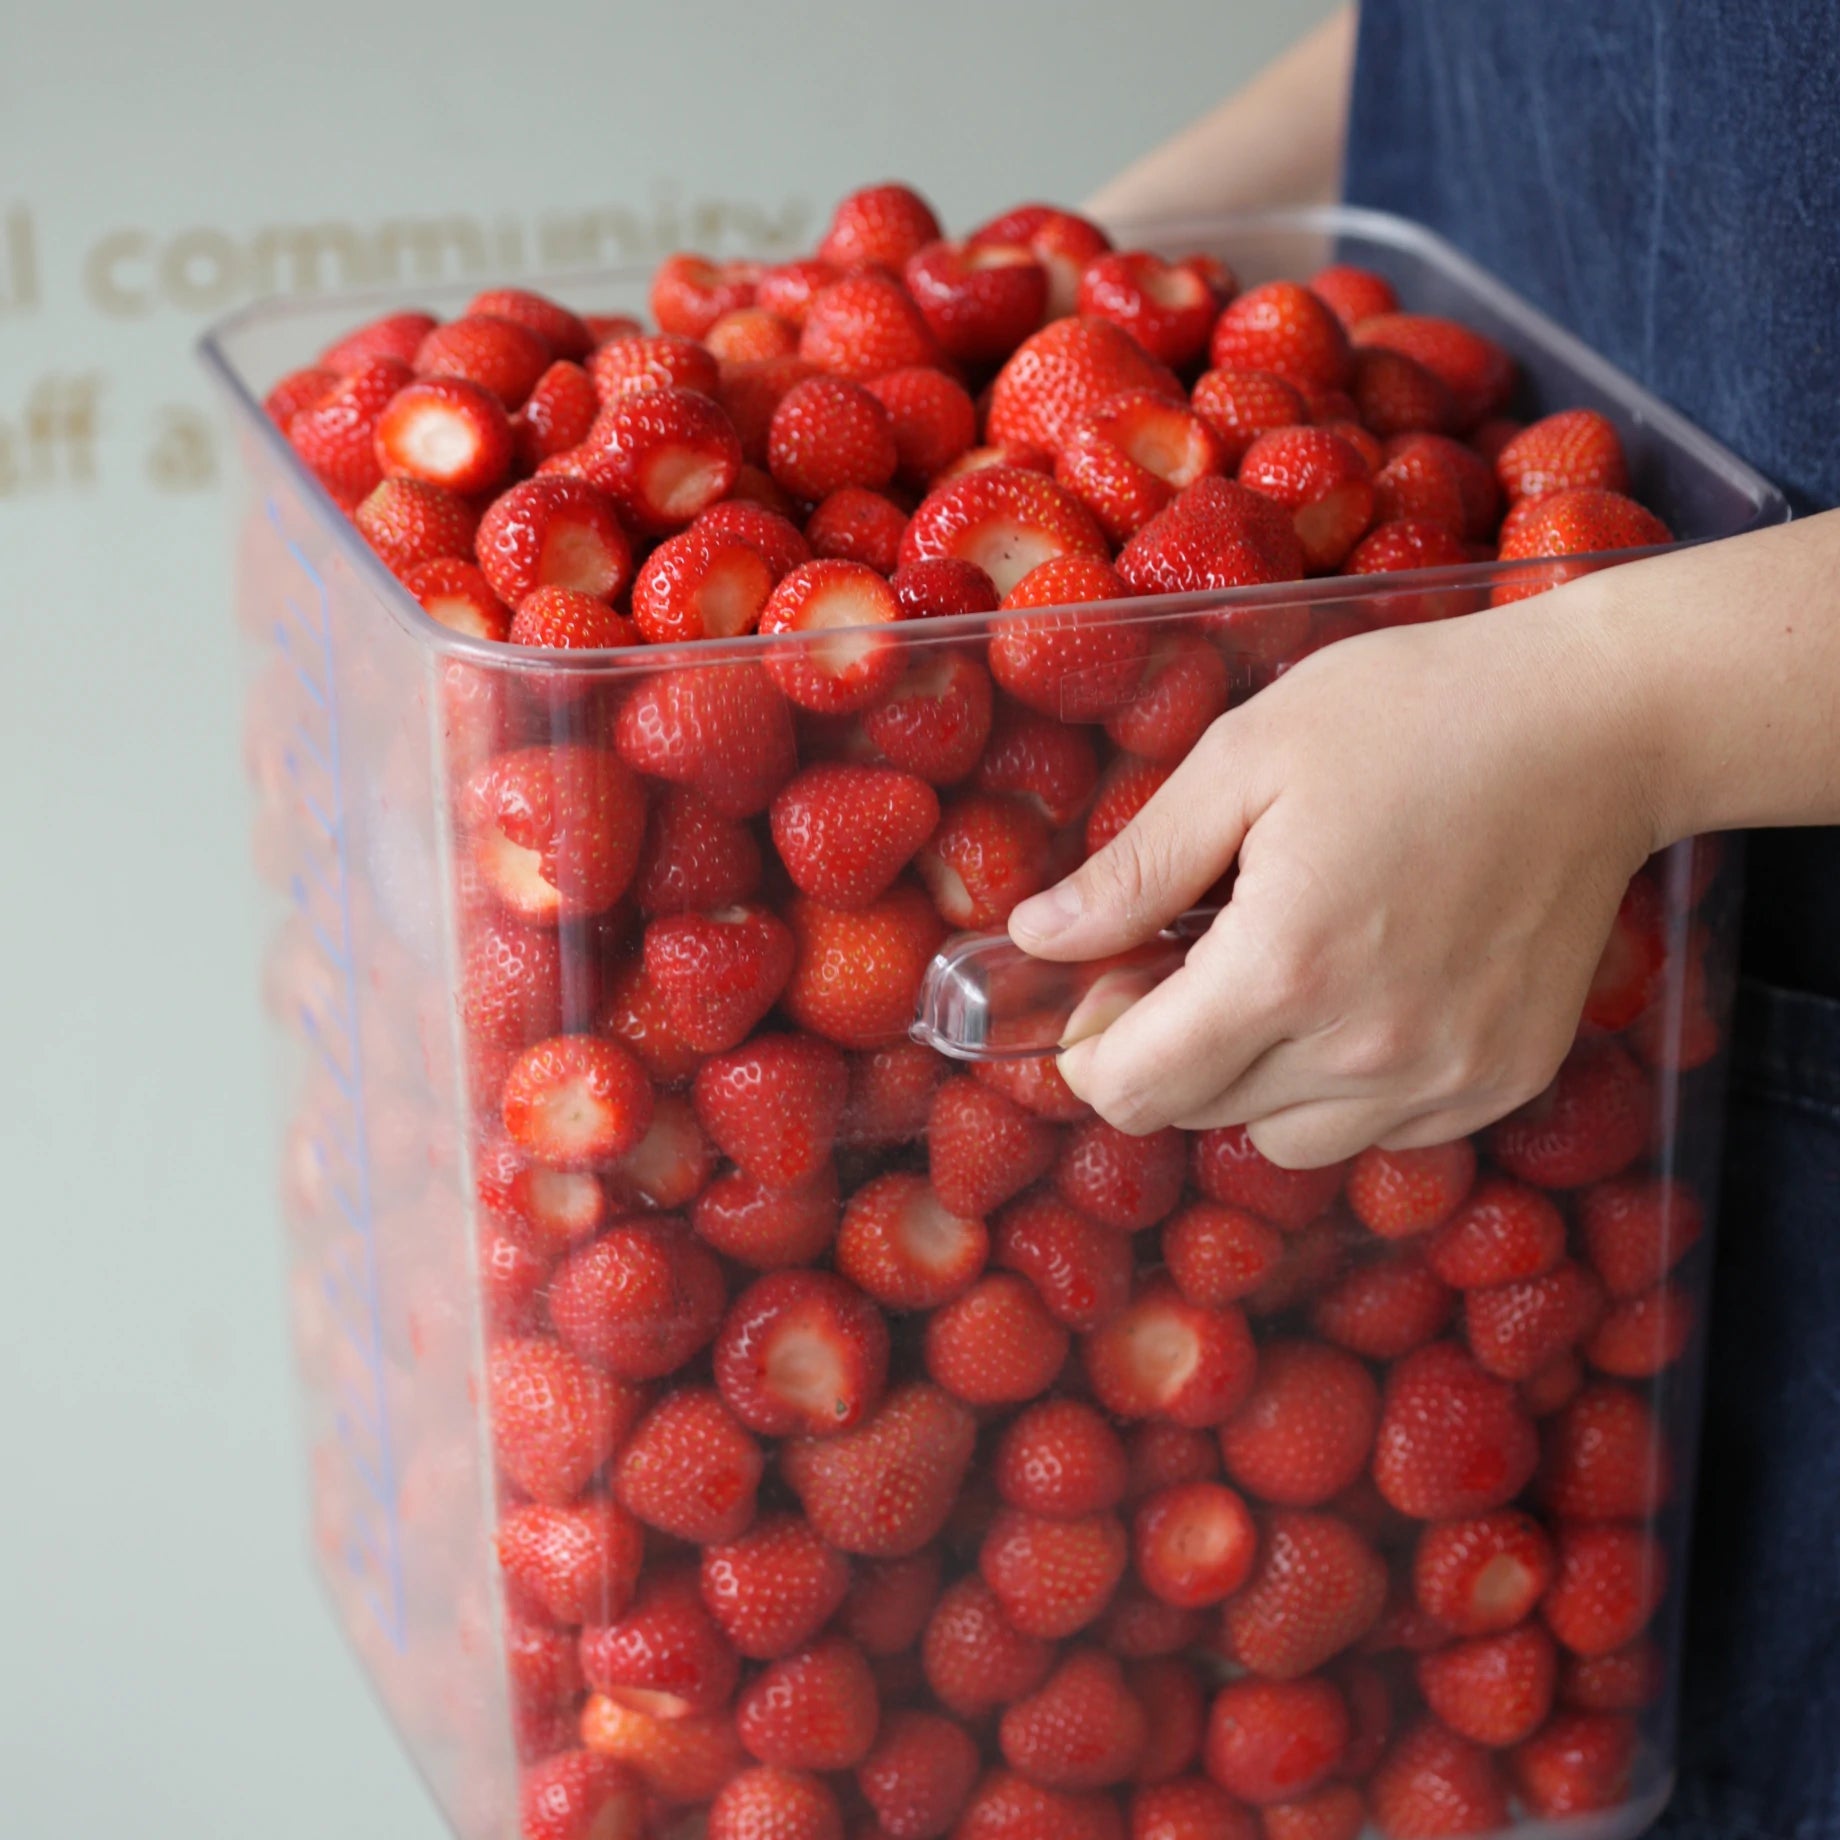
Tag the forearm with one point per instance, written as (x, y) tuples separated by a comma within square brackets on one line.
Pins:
[(1277, 141)]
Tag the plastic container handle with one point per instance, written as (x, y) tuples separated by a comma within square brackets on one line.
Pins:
[(985, 999)]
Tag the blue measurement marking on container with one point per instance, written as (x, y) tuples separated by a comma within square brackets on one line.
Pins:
[(321, 890)]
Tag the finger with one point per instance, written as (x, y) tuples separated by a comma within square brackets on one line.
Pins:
[(1444, 1125), (1157, 867), (1293, 1072), (1330, 1131)]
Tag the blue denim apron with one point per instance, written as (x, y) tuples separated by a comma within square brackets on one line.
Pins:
[(1663, 176)]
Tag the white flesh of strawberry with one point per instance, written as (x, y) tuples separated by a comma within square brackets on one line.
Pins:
[(571, 1118), (564, 1202), (657, 1168), (1322, 528), (1006, 550), (932, 1236), (516, 875), (1202, 1540), (1503, 1588), (999, 255), (1169, 445), (439, 442), (679, 482), (1164, 1354), (1063, 282), (847, 612), (803, 1370), (947, 888), (653, 1702), (731, 595), (458, 613), (576, 556), (1170, 286)]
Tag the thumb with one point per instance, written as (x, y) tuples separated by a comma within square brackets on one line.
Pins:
[(1157, 867)]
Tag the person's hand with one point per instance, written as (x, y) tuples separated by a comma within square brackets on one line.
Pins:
[(1434, 826)]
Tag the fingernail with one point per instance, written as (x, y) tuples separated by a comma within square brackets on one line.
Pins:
[(1043, 916)]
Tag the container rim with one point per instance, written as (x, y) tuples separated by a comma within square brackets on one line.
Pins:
[(1330, 221)]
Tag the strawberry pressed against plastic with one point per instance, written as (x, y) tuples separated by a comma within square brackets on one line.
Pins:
[(1305, 1432), (577, 1564), (1164, 1356), (918, 1775), (1053, 1577), (555, 1419), (1452, 1440), (1434, 1785), (773, 1105), (662, 1654), (857, 971), (1064, 372), (722, 729), (1060, 1458), (1193, 1543), (984, 856), (846, 832), (1560, 453), (1082, 1728), (1272, 1740), (849, 661), (554, 532), (691, 1469), (1081, 1269), (802, 1353), (639, 1300), (718, 973), (765, 1803), (902, 1244)]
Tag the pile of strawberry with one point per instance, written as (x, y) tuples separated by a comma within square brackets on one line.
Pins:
[(894, 1450)]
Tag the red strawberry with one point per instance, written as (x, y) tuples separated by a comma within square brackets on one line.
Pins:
[(458, 595), (903, 1245), (1559, 453), (828, 433), (1322, 481), (690, 293), (1168, 309), (722, 729), (985, 855), (995, 1343), (1592, 1122), (1183, 689), (942, 587), (497, 354), (1493, 1690), (633, 1012), (865, 326), (1035, 1083), (1640, 1336), (1218, 534), (891, 1093), (1005, 520), (1420, 486), (670, 1165), (1122, 1181), (933, 418), (1383, 1307), (1194, 1543), (1609, 1582), (1502, 1232), (1061, 1459), (1554, 1386), (1063, 243), (511, 984), (975, 1658), (747, 335), (1239, 406), (857, 973), (750, 391), (802, 1353), (1190, 1808), (1306, 1429), (1163, 1355), (773, 1105), (679, 1760), (833, 675), (1005, 1806), (552, 1208), (979, 302), (639, 1300), (1479, 374), (1163, 1454), (935, 720), (1353, 294), (564, 619), (1064, 372), (1397, 1193), (1453, 1440), (1128, 786), (555, 1420), (1273, 1740), (576, 1101), (663, 455), (771, 1804), (1141, 1627), (1128, 456), (881, 224), (1082, 1728), (576, 1564), (846, 832), (553, 532), (1629, 973), (1228, 1168), (576, 1795), (778, 540), (394, 335), (788, 288), (1333, 1812), (1081, 1269), (885, 1487), (1578, 1764), (1625, 1680), (1283, 328), (1073, 666), (1482, 1575), (1434, 1785), (690, 1469), (1636, 1229), (1408, 543), (1170, 1692), (1474, 476), (1313, 1259), (1001, 453), (1579, 522), (447, 433), (768, 1227), (1052, 1577), (335, 435), (408, 523), (1395, 394), (694, 857), (1517, 1329), (1046, 764), (718, 973), (1318, 1588), (700, 585), (559, 329), (663, 1655), (662, 361), (1604, 1457), (918, 1774), (890, 1601), (556, 415), (775, 1587), (855, 524)]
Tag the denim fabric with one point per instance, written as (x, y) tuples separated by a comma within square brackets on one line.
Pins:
[(1663, 176)]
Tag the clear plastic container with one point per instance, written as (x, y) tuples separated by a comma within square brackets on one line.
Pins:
[(425, 1254)]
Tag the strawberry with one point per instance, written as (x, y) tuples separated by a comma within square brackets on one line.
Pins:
[(1333, 1812), (576, 1795), (1047, 765), (1368, 1689), (770, 1804), (396, 336), (1629, 972), (1318, 1588), (745, 335), (1591, 1122), (556, 415), (1122, 1181), (918, 1774), (1640, 1336), (1322, 481), (678, 1760), (942, 587), (1398, 1193), (1635, 1230), (768, 1227), (1189, 1808), (845, 832), (670, 1165), (1175, 1707), (335, 435), (1307, 1427), (700, 585), (553, 532), (661, 361), (1035, 1083), (1168, 309), (1163, 1454), (638, 1301), (1502, 1232), (550, 1208), (778, 540), (1579, 522), (775, 1587), (457, 594), (995, 1343), (718, 973), (1353, 294), (690, 293), (1005, 520), (555, 1420), (1128, 786), (634, 1013), (979, 301), (1453, 1440), (512, 1273), (1282, 328), (721, 729), (694, 857), (827, 433), (1625, 1680), (1382, 1307), (903, 1245), (576, 1564), (1218, 534), (662, 1655), (833, 675), (773, 1105), (1478, 373), (935, 720), (1064, 244), (1474, 476), (576, 1101), (409, 523), (1142, 1627), (1129, 455), (1005, 1806), (1062, 373), (1193, 1543), (750, 390), (497, 354), (1163, 1355), (1061, 1459), (1579, 1763), (855, 524), (1184, 688), (1394, 394), (984, 856), (881, 224), (802, 1353), (1082, 1728), (933, 418), (885, 1487), (1314, 1258), (511, 983), (890, 1601), (1081, 1269), (565, 619), (1609, 1582), (891, 1093), (558, 328), (1409, 543), (1482, 1575), (1273, 1740), (815, 1709), (1053, 1577), (1604, 1458), (1517, 1329), (690, 1469), (1560, 453), (787, 289), (975, 1658), (1555, 1385), (447, 433), (1494, 1690), (857, 972), (1419, 486), (1434, 1785), (1022, 454), (1239, 406), (865, 326), (1073, 666), (663, 456)]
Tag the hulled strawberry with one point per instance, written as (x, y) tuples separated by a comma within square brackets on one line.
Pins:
[(576, 1564), (565, 619), (663, 1653), (700, 585), (445, 432), (1272, 1740), (857, 971), (1064, 243), (902, 1244), (1483, 1574), (718, 973), (1183, 689), (555, 1419), (1306, 1430), (663, 456), (1053, 1577), (1081, 1269), (985, 855), (775, 1587), (802, 1353), (1194, 1543), (1005, 520), (553, 532), (722, 729), (848, 662), (678, 1760), (918, 1774), (1218, 534), (576, 1102), (1167, 308), (1162, 1355), (1517, 1329), (690, 1468), (690, 293), (980, 301), (1063, 373), (1583, 521), (1322, 481), (1129, 456), (773, 1105), (1452, 1440), (1479, 374)]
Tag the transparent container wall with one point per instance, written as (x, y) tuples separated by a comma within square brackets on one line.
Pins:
[(439, 1273)]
